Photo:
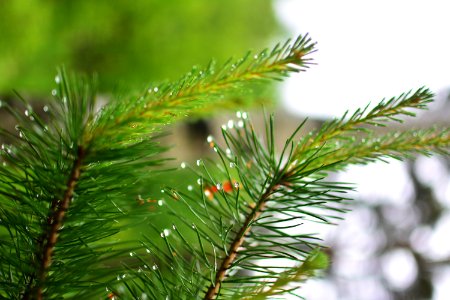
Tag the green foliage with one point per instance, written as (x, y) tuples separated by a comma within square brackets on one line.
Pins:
[(69, 179), (66, 185)]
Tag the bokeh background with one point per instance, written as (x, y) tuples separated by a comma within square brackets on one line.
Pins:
[(394, 244)]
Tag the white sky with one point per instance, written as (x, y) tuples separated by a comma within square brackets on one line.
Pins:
[(367, 50)]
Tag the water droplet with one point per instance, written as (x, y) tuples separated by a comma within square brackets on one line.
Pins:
[(209, 139), (183, 165), (3, 146), (240, 124), (31, 118), (255, 56), (162, 234), (199, 162), (190, 188), (155, 89), (230, 124), (224, 127), (123, 276), (160, 202), (193, 226), (166, 232), (239, 114), (199, 181), (154, 267), (54, 92), (219, 186), (118, 277), (147, 250), (236, 184), (232, 164), (174, 227), (27, 112), (131, 253), (45, 108), (244, 115), (64, 99), (228, 151), (215, 149), (21, 134), (57, 79), (162, 191), (17, 127)]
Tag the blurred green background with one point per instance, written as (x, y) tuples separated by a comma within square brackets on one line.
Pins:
[(129, 43)]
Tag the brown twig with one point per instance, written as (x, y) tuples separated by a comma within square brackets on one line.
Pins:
[(213, 289), (55, 222)]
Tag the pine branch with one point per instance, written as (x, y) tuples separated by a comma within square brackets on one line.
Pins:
[(251, 206), (342, 142), (161, 105), (57, 218), (238, 241), (50, 178), (384, 111), (241, 223)]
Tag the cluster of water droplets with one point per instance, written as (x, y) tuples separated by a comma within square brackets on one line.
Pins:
[(153, 90)]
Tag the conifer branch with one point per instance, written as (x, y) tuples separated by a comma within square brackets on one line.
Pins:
[(273, 193), (238, 241), (385, 111), (55, 221), (397, 145), (161, 105)]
